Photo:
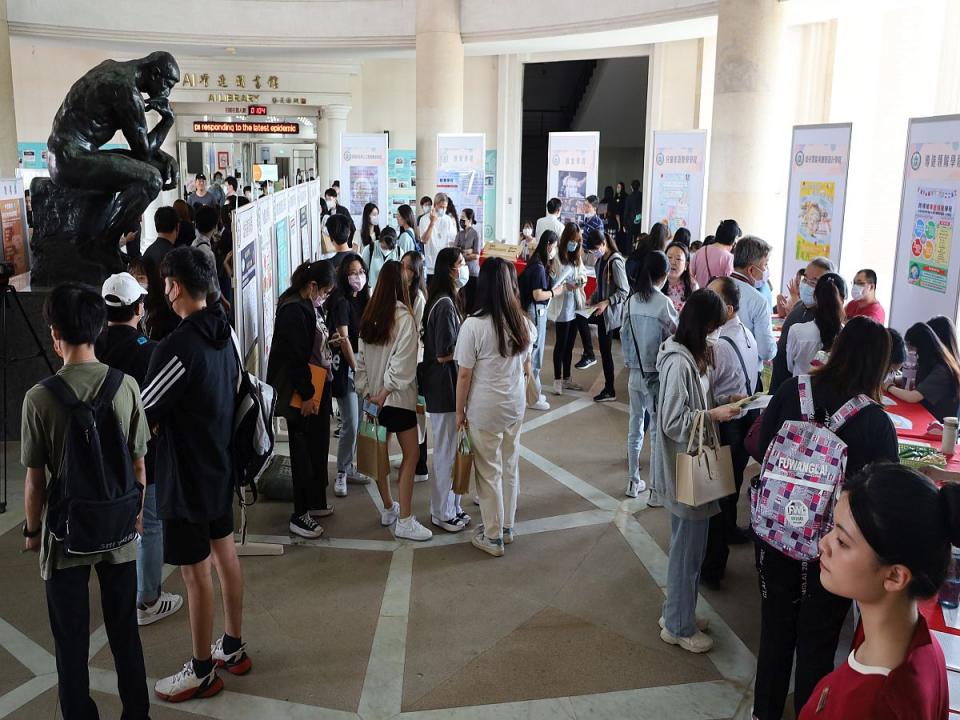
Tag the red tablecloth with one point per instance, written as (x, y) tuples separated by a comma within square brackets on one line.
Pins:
[(916, 414), (521, 264)]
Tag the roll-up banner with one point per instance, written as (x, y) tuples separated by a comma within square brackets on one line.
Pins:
[(573, 160), (677, 181), (267, 276), (926, 278), (281, 228), (461, 166), (246, 297), (363, 173), (816, 196)]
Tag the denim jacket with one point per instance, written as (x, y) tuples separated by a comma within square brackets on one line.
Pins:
[(645, 326)]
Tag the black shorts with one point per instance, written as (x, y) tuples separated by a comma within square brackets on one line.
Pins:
[(396, 420), (187, 543)]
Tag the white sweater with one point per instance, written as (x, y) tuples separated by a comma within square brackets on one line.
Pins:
[(392, 365)]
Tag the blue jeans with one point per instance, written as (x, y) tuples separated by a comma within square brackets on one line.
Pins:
[(349, 406), (641, 402), (538, 316), (688, 543), (150, 550)]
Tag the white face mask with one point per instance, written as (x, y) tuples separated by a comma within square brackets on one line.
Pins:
[(713, 338), (856, 291), (552, 252), (527, 232), (375, 220), (331, 205), (463, 276)]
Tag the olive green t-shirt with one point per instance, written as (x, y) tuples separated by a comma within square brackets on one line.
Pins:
[(43, 432)]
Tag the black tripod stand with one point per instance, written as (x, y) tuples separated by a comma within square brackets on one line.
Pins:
[(8, 297)]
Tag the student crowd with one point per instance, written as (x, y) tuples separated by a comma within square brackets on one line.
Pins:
[(408, 327)]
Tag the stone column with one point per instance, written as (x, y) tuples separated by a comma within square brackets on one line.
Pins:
[(9, 157), (336, 119), (439, 93), (746, 120)]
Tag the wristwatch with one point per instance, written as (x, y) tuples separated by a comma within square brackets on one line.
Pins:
[(31, 533)]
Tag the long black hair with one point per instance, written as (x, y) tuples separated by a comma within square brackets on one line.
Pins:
[(931, 353), (542, 252), (657, 237), (859, 360), (441, 282), (703, 313), (653, 268), (944, 329), (369, 233), (830, 293), (499, 298), (418, 281), (319, 271)]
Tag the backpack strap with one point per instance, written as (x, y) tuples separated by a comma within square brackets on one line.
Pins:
[(111, 385), (633, 333), (805, 390), (849, 409), (61, 390), (743, 365)]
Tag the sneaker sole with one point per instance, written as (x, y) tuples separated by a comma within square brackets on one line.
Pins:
[(606, 399), (670, 639), (448, 527), (489, 551), (151, 619), (309, 535), (340, 493), (414, 539), (586, 365), (215, 687), (240, 668)]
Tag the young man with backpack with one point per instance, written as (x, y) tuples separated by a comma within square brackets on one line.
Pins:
[(86, 416), (190, 396), (124, 346)]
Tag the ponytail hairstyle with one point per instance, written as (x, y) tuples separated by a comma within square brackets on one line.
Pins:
[(650, 276), (469, 215), (907, 521), (320, 271), (376, 325), (830, 293), (499, 298), (406, 214)]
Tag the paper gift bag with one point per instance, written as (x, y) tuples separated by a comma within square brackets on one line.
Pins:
[(462, 465), (533, 396), (373, 459), (705, 471)]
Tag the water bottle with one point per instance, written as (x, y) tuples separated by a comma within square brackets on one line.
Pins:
[(950, 591)]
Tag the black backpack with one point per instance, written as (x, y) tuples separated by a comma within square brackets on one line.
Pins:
[(94, 498)]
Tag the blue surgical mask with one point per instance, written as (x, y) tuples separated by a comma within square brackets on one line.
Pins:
[(806, 295), (571, 247)]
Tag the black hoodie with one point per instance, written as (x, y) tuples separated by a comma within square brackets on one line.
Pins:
[(190, 396)]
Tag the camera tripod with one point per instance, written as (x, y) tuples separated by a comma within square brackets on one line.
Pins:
[(8, 298)]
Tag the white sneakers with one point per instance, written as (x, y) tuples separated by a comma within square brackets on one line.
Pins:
[(482, 542), (409, 528), (454, 525), (558, 387), (185, 685), (702, 623), (388, 516), (340, 485), (167, 604), (696, 643), (420, 478), (635, 487), (540, 404)]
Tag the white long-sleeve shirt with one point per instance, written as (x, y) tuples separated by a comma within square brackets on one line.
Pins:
[(728, 374), (803, 344), (444, 234)]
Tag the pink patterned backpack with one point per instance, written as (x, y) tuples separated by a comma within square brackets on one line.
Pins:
[(802, 473)]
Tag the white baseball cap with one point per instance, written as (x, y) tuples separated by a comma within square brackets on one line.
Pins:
[(121, 290)]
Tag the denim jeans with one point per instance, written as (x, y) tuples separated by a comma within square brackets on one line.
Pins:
[(538, 316), (349, 406), (642, 402), (688, 542), (150, 550)]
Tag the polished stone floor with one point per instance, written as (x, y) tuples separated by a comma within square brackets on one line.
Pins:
[(360, 625)]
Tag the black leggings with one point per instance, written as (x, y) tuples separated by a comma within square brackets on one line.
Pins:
[(583, 327), (563, 348), (309, 446), (606, 355)]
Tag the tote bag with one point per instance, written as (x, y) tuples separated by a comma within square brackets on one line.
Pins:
[(462, 465), (373, 459), (705, 470)]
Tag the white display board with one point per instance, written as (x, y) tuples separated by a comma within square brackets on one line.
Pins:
[(281, 239), (927, 272), (816, 196), (363, 173), (267, 276), (313, 198), (461, 169), (293, 229), (246, 236), (677, 181), (573, 160), (303, 221)]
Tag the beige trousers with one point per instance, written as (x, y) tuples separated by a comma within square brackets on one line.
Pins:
[(497, 473)]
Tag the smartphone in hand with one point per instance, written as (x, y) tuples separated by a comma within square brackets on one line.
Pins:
[(371, 409)]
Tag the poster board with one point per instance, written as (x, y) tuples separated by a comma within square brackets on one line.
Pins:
[(303, 220), (573, 160), (313, 192), (678, 181), (816, 196), (403, 182), (281, 240), (13, 221), (246, 298), (490, 198), (363, 172), (926, 279), (293, 232), (266, 276), (461, 171)]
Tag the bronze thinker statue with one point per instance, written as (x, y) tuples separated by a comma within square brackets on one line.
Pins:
[(94, 196)]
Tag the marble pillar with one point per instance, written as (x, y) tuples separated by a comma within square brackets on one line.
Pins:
[(336, 121)]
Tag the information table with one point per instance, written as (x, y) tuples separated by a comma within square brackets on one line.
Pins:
[(520, 264)]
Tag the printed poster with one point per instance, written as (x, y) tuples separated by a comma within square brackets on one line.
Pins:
[(13, 220), (572, 165), (282, 239), (461, 171), (490, 198), (677, 183), (267, 274), (403, 182), (363, 171), (816, 196), (248, 312), (926, 277)]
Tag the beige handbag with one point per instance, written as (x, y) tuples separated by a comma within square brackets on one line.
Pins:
[(373, 456), (705, 470), (533, 396), (462, 465)]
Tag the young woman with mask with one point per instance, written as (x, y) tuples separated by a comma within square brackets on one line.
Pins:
[(369, 227), (299, 341), (809, 338), (889, 548), (444, 315), (680, 284), (344, 310), (536, 291), (470, 244), (798, 616), (608, 299), (386, 375), (649, 319), (527, 241), (409, 239), (684, 364), (413, 275), (426, 205), (382, 250), (938, 374), (493, 348), (566, 270)]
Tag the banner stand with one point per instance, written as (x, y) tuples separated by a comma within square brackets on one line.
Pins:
[(573, 161), (677, 181)]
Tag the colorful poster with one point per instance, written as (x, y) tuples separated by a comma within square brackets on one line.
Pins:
[(572, 162), (490, 197), (403, 182), (267, 273), (13, 221), (281, 225), (363, 169), (926, 277), (293, 233), (314, 193), (677, 182), (816, 195), (461, 171), (246, 303)]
